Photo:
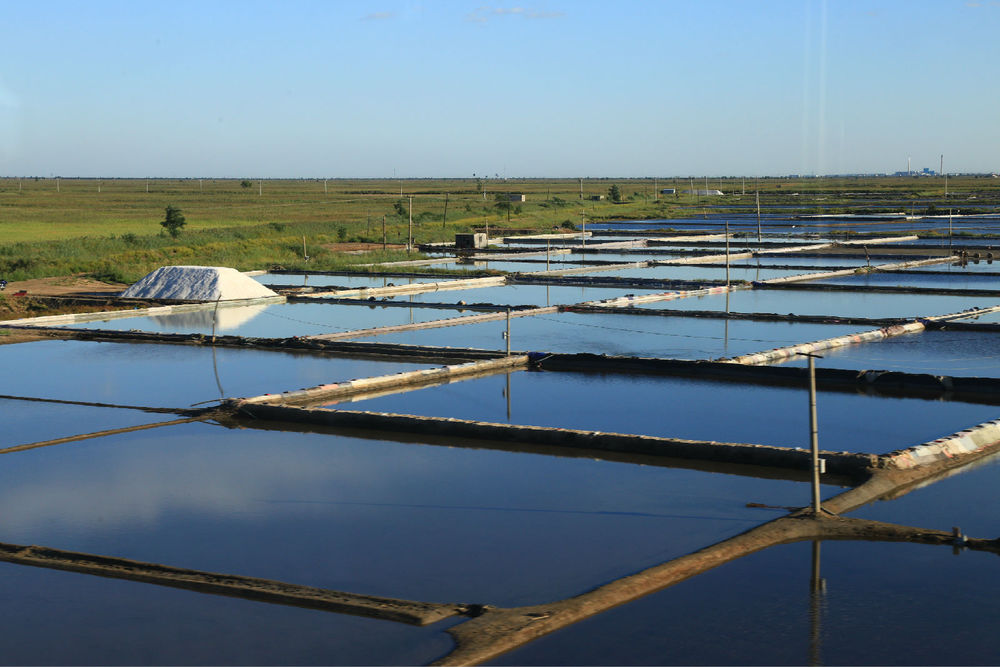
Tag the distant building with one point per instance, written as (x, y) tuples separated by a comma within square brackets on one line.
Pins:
[(704, 193), (596, 197), (668, 191), (471, 241), (516, 198)]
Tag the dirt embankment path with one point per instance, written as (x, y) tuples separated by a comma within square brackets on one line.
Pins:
[(33, 301), (62, 286)]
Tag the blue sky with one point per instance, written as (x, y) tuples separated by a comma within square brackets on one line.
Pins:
[(527, 88)]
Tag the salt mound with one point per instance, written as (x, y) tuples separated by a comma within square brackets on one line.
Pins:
[(197, 283)]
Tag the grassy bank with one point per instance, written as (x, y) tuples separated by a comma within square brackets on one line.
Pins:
[(108, 228)]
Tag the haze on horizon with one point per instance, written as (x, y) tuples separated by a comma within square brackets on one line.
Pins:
[(549, 88)]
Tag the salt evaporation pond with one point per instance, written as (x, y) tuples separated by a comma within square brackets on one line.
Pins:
[(960, 353), (514, 266), (926, 606), (368, 516), (628, 335), (347, 282), (174, 376), (962, 497), (953, 280), (532, 295), (280, 320), (27, 422), (694, 409), (109, 621), (845, 304), (695, 272), (823, 262)]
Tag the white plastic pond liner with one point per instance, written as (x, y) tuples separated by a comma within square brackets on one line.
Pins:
[(197, 283)]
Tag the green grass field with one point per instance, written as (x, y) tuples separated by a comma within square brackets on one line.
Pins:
[(109, 228)]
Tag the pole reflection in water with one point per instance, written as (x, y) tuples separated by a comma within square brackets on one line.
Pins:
[(817, 591), (215, 369), (725, 321), (506, 393)]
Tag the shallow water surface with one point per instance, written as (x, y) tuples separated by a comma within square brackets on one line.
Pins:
[(27, 422), (848, 304), (882, 604), (950, 280), (961, 353), (695, 409), (424, 522), (274, 320), (627, 335), (345, 282), (171, 375)]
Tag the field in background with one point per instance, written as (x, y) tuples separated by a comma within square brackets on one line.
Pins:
[(108, 228)]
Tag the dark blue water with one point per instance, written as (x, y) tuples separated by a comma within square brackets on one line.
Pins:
[(961, 353), (695, 409), (170, 375), (666, 337), (953, 280), (112, 622), (347, 282), (532, 295), (274, 320), (848, 304), (884, 604), (27, 422), (370, 516)]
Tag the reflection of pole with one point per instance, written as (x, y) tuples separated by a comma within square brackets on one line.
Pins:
[(215, 368), (547, 254), (215, 316), (816, 589), (507, 394), (409, 238)]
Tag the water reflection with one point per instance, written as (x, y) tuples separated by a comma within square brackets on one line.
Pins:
[(221, 319)]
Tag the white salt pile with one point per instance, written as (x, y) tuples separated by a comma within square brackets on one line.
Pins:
[(197, 283)]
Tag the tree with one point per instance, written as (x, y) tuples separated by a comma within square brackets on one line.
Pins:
[(173, 222), (615, 193)]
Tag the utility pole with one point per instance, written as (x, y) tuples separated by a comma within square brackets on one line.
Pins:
[(583, 235), (324, 186), (727, 253), (758, 221), (581, 188), (57, 185), (444, 220), (260, 188), (506, 334), (817, 464), (368, 222), (409, 240)]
